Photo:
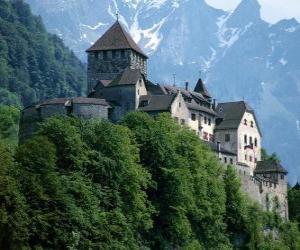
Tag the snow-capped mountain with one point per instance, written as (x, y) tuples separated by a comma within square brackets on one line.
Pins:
[(238, 54)]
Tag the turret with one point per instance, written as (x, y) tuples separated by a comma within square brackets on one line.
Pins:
[(112, 54)]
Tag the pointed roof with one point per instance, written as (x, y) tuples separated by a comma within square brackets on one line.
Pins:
[(268, 166), (128, 77), (201, 88), (297, 186), (232, 114), (116, 37)]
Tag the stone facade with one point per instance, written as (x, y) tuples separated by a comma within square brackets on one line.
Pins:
[(108, 64), (86, 108)]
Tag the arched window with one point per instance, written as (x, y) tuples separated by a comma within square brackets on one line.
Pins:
[(251, 124), (245, 122)]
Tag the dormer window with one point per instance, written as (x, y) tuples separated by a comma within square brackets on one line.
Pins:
[(123, 53), (193, 116), (245, 122), (145, 103)]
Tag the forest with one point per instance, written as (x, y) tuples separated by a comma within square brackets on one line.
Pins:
[(142, 184), (34, 65)]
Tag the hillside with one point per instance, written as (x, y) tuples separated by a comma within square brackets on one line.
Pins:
[(34, 64), (239, 54)]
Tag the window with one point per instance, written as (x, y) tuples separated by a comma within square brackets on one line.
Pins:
[(250, 158), (193, 116), (245, 139), (227, 137), (251, 124), (209, 121), (205, 136), (231, 161), (282, 177), (211, 137), (251, 141), (138, 92), (122, 53), (114, 54), (96, 55), (255, 142), (140, 82), (225, 159), (145, 103), (182, 121), (205, 120), (179, 105), (245, 122), (246, 158), (105, 55)]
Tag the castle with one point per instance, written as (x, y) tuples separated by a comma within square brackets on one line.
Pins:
[(118, 84)]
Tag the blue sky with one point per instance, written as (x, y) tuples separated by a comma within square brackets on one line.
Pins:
[(272, 11)]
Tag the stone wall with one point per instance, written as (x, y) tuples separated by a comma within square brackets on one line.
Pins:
[(33, 115), (107, 65), (269, 195)]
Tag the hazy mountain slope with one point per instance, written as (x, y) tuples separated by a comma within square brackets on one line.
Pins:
[(238, 53), (34, 65)]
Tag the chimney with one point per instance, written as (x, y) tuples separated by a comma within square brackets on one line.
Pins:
[(186, 85), (214, 104), (219, 149)]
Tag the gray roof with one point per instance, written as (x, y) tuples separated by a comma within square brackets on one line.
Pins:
[(155, 89), (128, 77), (214, 147), (201, 88), (232, 114), (195, 106), (156, 102), (116, 37), (268, 166), (68, 101)]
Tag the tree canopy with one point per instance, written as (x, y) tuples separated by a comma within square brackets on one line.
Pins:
[(142, 184), (34, 64)]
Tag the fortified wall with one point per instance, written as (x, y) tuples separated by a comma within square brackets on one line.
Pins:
[(269, 194), (87, 108)]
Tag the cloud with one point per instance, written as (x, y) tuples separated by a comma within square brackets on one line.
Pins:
[(272, 11)]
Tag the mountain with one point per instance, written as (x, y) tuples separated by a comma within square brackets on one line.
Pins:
[(34, 64), (238, 54)]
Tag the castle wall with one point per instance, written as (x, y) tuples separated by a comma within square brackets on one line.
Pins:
[(269, 195), (123, 99), (33, 115), (249, 156), (231, 145), (107, 65)]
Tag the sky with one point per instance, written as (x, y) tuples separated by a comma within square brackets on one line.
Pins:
[(272, 11)]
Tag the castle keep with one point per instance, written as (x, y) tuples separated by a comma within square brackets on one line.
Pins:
[(118, 84)]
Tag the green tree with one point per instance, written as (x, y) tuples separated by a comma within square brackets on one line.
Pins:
[(14, 220)]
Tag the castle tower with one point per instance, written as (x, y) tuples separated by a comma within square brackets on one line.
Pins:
[(112, 54)]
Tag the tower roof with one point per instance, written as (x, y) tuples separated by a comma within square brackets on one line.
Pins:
[(268, 166), (201, 88), (116, 37), (232, 114)]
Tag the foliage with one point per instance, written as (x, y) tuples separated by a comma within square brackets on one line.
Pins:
[(34, 65), (294, 203), (143, 184), (266, 157), (9, 124)]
